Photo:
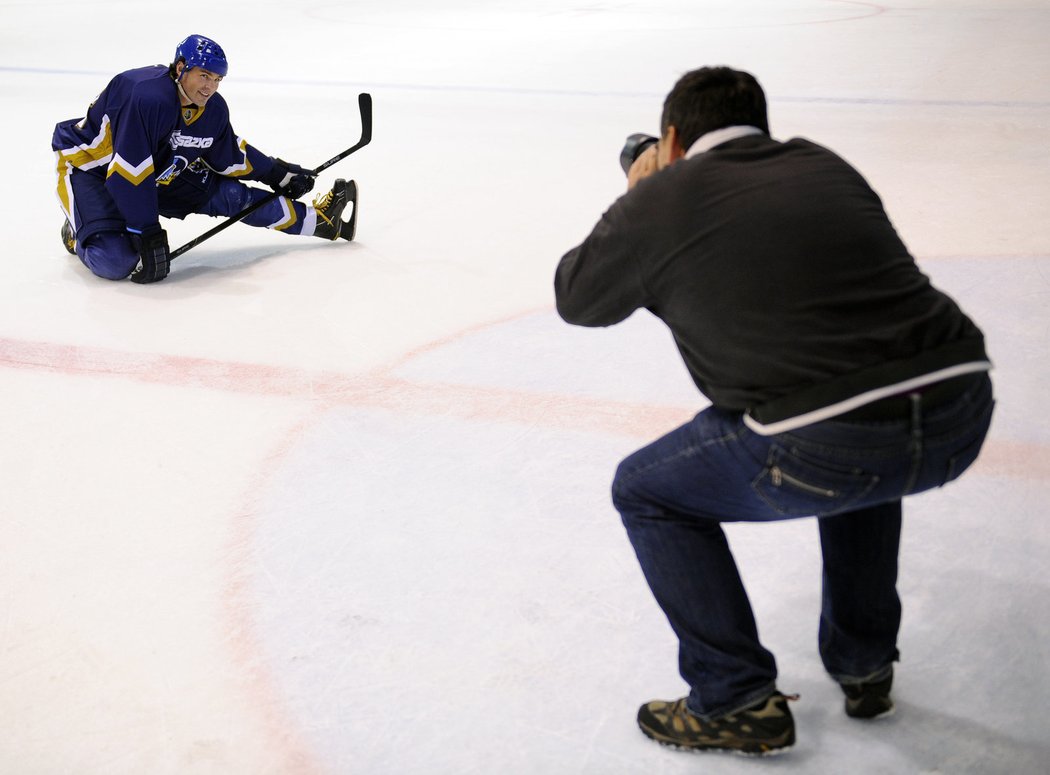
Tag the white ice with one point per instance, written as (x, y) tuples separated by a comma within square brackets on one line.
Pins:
[(313, 508)]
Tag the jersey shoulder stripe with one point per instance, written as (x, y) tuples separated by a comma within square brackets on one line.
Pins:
[(93, 152)]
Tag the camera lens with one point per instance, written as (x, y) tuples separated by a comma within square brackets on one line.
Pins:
[(633, 148)]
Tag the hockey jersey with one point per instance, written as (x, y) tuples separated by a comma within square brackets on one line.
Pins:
[(147, 147)]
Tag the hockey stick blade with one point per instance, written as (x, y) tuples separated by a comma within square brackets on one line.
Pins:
[(364, 104)]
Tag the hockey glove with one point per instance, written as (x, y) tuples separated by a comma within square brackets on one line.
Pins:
[(289, 180), (154, 260)]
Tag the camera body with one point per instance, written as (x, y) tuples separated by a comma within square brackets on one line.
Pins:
[(634, 147)]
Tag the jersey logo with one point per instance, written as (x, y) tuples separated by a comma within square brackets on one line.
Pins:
[(172, 172), (179, 165), (177, 140)]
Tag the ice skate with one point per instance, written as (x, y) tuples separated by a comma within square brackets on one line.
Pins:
[(69, 240), (330, 206)]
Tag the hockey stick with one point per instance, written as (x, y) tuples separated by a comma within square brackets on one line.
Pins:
[(364, 103)]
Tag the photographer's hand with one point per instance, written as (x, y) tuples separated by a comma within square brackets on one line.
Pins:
[(644, 166)]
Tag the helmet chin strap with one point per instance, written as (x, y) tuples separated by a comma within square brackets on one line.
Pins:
[(183, 97), (186, 101)]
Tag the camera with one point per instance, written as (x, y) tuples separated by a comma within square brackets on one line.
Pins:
[(633, 148)]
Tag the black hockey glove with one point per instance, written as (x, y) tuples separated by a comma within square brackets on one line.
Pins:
[(154, 260), (289, 180)]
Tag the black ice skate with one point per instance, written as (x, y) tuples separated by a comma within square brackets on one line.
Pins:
[(330, 206), (68, 239)]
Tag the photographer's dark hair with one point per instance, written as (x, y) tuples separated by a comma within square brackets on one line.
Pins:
[(712, 98)]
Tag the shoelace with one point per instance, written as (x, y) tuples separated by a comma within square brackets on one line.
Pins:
[(321, 204)]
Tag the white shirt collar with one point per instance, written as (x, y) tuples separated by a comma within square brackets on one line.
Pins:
[(717, 137)]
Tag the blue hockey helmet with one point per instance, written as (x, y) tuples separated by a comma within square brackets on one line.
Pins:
[(199, 51)]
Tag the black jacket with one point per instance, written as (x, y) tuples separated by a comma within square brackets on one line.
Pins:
[(779, 274)]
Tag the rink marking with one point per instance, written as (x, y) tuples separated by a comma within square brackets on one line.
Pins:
[(382, 389), (246, 644), (379, 389)]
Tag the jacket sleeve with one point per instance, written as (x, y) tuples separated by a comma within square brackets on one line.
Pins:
[(234, 157), (231, 155), (139, 128), (599, 282)]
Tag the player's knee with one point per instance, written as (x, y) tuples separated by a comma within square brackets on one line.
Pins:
[(233, 195), (109, 255)]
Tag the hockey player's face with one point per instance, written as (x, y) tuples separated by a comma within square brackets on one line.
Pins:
[(199, 84)]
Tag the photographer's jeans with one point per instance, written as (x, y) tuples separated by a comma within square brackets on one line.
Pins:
[(674, 494)]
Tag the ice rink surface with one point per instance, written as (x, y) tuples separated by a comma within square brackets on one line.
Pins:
[(307, 508)]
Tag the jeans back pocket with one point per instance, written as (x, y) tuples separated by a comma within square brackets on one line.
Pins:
[(795, 485)]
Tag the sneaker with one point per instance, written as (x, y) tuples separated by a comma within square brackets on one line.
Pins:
[(764, 728), (330, 208), (869, 700), (68, 238)]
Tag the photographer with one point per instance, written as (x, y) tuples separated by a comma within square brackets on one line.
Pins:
[(840, 381)]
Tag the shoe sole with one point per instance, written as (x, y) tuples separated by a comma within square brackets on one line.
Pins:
[(753, 750), (884, 714)]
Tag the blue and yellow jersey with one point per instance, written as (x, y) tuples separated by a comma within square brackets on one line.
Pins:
[(137, 136)]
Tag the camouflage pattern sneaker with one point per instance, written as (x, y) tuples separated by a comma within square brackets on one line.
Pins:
[(68, 239), (869, 700), (759, 730)]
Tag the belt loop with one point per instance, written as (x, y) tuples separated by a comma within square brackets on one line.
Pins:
[(916, 414), (916, 440)]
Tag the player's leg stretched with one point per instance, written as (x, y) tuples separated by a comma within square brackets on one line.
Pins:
[(323, 218)]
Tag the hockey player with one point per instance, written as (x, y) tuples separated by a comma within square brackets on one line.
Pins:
[(158, 142)]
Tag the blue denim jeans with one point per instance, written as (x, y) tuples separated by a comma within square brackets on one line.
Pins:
[(674, 495)]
